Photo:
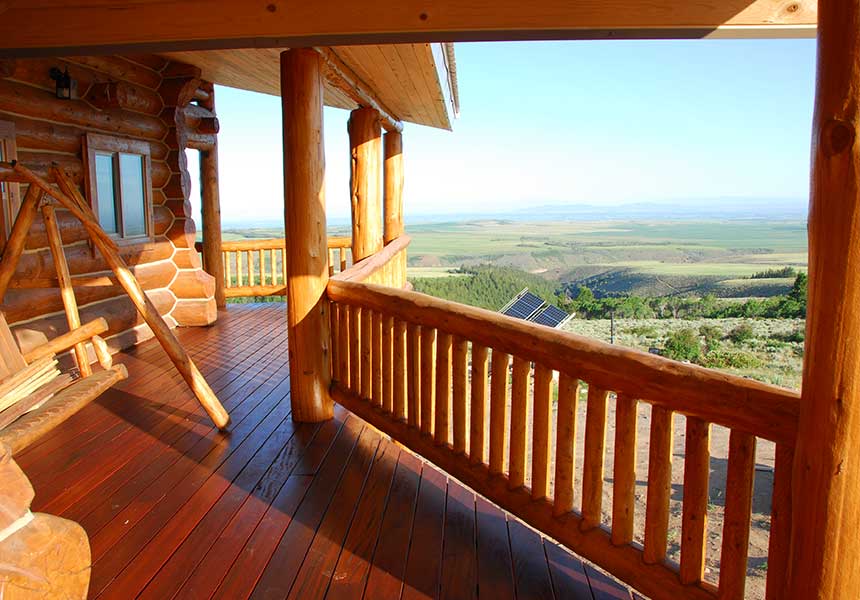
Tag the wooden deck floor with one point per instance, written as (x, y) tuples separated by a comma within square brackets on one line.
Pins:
[(273, 509)]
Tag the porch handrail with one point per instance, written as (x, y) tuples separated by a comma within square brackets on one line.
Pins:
[(401, 361), (256, 267)]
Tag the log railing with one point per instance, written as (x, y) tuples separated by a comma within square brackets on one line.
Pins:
[(473, 391), (257, 267)]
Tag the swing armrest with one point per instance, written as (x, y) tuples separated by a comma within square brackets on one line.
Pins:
[(64, 342)]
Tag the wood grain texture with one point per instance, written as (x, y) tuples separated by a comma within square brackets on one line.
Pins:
[(565, 453), (826, 485), (222, 25), (541, 433), (428, 379), (593, 457), (763, 410), (498, 411), (737, 516), (442, 411), (365, 143), (459, 387), (659, 486), (519, 414), (624, 470), (478, 398), (694, 517), (305, 227)]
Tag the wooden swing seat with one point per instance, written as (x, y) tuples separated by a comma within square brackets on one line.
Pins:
[(50, 397)]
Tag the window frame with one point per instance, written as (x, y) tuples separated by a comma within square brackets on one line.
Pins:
[(10, 195), (96, 143)]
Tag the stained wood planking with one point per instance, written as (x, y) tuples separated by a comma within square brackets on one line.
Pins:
[(569, 580), (278, 503), (425, 551), (385, 579), (495, 564), (353, 566), (459, 557), (531, 571), (286, 560)]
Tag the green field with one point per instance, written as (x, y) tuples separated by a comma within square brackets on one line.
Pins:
[(620, 257)]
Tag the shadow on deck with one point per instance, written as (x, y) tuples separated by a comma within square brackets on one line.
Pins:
[(273, 509)]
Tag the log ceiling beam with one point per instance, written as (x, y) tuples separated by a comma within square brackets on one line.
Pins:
[(110, 26)]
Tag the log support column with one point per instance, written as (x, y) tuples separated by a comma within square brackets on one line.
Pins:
[(393, 185), (365, 147), (213, 261), (825, 547), (305, 226)]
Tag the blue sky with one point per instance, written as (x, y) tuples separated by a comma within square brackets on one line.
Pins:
[(569, 122)]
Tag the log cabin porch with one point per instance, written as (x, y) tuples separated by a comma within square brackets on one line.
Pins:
[(159, 513), (275, 509)]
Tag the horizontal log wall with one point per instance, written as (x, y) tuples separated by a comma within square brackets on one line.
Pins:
[(142, 97)]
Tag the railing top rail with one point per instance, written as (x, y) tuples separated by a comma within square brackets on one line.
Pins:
[(270, 244), (367, 267), (757, 408)]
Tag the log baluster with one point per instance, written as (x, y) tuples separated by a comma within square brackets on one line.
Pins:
[(355, 349), (334, 327), (593, 457), (459, 383), (565, 454), (694, 515), (541, 434), (780, 524), (738, 513), (498, 410), (366, 364), (376, 354), (479, 404), (343, 331), (519, 416), (624, 472), (443, 388), (228, 269), (413, 376), (659, 486), (399, 369), (428, 378), (387, 360)]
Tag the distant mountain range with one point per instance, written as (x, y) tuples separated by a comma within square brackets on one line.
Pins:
[(668, 210)]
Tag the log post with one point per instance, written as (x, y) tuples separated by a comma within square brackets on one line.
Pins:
[(365, 141), (825, 547), (393, 188), (213, 261), (305, 226)]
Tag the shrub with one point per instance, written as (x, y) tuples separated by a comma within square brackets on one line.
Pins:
[(742, 333), (797, 336), (712, 335), (732, 359), (642, 330), (683, 345)]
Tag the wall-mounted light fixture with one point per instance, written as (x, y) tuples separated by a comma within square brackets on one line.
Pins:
[(64, 83)]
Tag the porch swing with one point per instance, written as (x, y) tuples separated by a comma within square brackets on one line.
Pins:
[(35, 396)]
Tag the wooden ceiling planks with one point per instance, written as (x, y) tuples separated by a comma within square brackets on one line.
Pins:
[(403, 76)]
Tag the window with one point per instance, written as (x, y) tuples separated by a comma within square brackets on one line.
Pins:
[(9, 197), (119, 184)]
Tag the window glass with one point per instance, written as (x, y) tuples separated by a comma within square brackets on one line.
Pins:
[(106, 192), (133, 194)]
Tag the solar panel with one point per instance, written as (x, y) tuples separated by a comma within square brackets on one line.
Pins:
[(551, 316), (529, 307), (524, 307)]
